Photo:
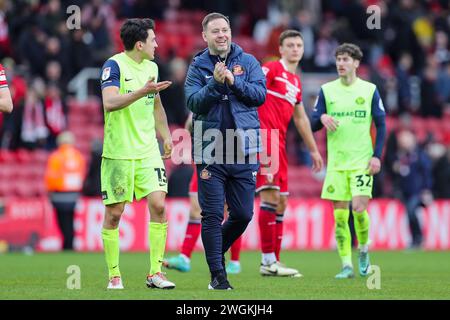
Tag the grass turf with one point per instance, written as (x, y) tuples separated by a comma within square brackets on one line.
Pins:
[(404, 275)]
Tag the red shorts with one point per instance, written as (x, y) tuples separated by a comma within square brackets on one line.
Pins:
[(277, 181), (193, 186)]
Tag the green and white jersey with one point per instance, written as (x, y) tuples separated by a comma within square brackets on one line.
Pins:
[(350, 146), (130, 132)]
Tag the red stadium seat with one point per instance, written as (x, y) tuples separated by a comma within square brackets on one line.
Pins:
[(24, 189), (7, 156), (7, 171), (5, 189), (23, 156), (40, 156)]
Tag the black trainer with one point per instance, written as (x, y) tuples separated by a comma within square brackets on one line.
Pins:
[(220, 282)]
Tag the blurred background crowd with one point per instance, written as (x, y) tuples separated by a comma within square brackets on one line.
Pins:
[(47, 66)]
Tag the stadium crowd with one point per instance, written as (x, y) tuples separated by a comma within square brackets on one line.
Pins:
[(408, 59)]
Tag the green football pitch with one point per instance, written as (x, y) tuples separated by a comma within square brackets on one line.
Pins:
[(403, 275)]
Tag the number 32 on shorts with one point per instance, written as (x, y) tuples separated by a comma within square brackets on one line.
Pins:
[(364, 181)]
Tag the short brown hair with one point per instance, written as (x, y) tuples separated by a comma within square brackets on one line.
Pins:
[(289, 34), (134, 30), (351, 49), (213, 16)]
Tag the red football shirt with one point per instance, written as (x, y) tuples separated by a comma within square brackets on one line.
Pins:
[(283, 93)]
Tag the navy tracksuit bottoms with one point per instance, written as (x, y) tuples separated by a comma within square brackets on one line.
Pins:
[(234, 184)]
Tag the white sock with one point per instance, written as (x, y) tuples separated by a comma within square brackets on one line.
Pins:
[(364, 248), (268, 258), (347, 262), (235, 262), (186, 258)]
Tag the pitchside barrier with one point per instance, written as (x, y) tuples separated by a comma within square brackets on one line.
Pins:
[(308, 225)]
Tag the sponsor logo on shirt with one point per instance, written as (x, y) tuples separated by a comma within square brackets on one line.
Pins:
[(355, 114), (360, 100), (360, 114)]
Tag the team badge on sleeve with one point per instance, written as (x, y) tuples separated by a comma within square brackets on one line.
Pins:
[(106, 73)]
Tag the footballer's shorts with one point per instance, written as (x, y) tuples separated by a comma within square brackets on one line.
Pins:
[(121, 179), (193, 185), (277, 180), (344, 185)]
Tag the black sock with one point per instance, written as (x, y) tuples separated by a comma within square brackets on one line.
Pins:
[(218, 273)]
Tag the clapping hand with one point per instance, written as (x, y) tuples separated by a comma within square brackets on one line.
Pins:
[(219, 72)]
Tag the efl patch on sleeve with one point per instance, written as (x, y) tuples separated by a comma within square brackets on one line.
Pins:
[(106, 73)]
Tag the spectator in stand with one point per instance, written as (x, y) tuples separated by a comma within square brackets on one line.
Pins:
[(55, 52), (91, 187), (55, 114), (64, 177), (31, 45), (53, 73), (173, 96), (441, 49), (98, 17), (441, 176), (412, 170), (273, 44), (403, 82), (430, 102), (50, 16), (80, 53), (34, 132), (325, 44), (303, 23), (443, 83)]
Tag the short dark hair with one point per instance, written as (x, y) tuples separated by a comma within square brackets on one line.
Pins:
[(289, 34), (351, 49), (213, 16), (134, 30)]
